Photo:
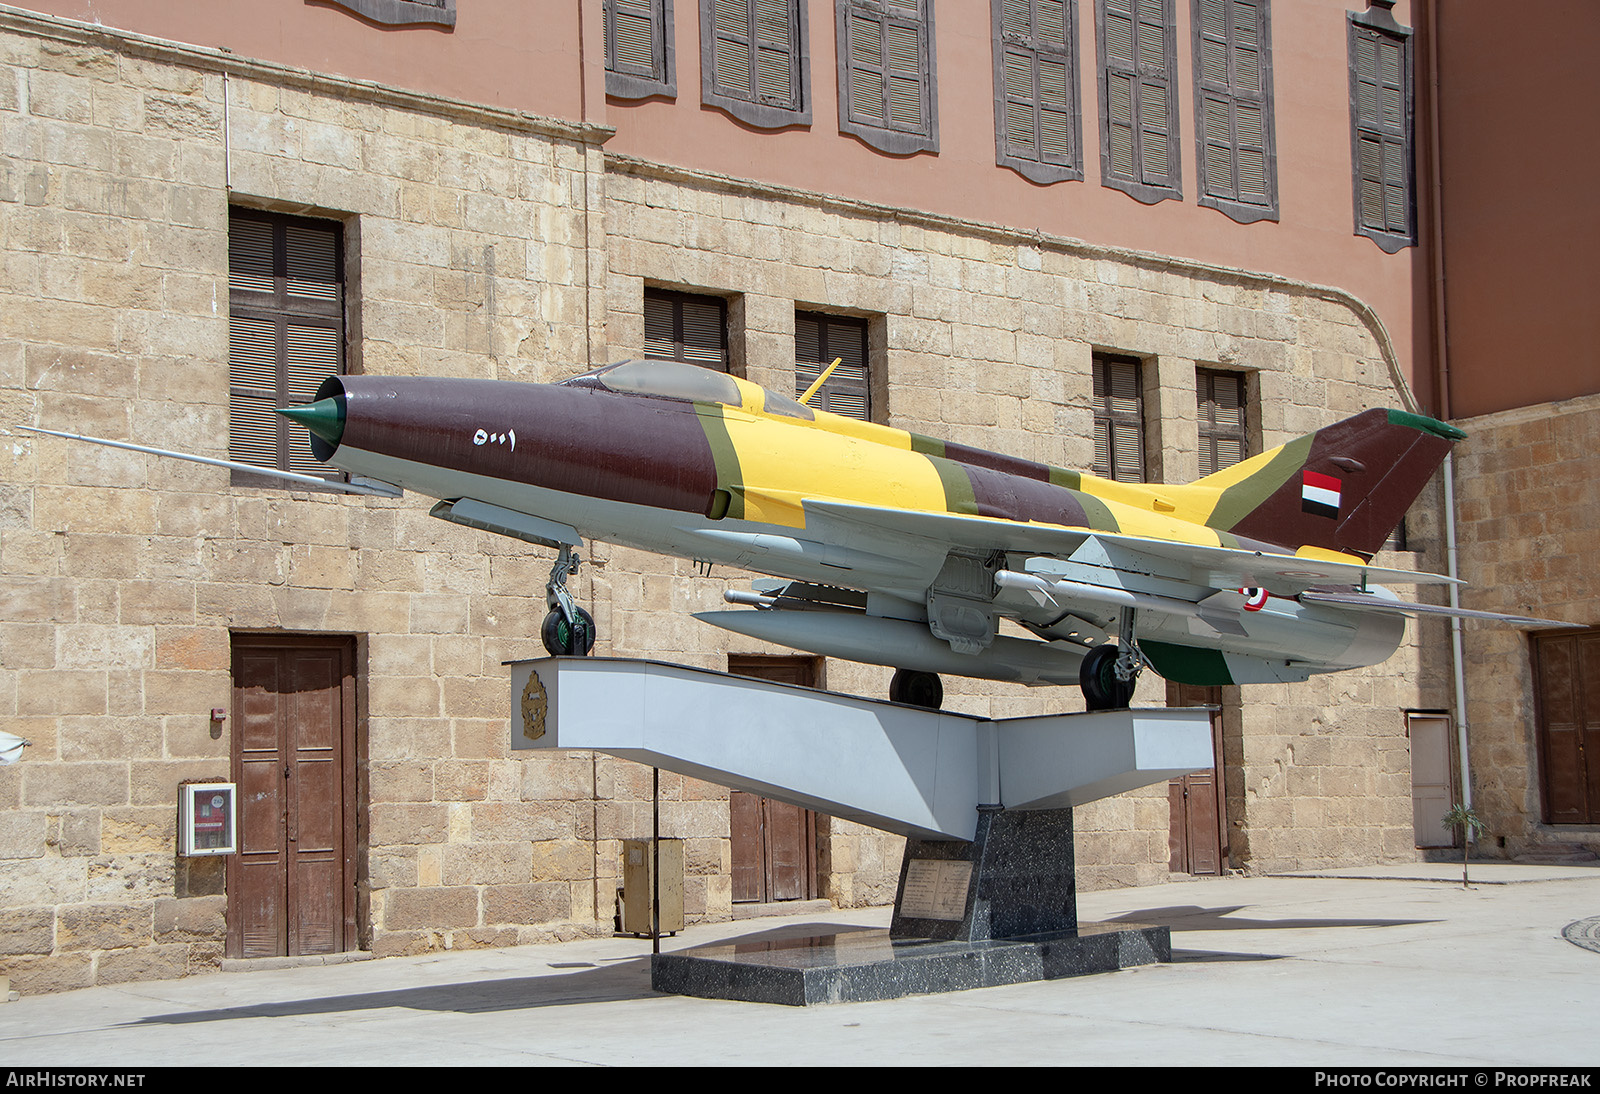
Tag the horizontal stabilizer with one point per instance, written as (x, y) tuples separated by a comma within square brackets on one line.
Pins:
[(1402, 607)]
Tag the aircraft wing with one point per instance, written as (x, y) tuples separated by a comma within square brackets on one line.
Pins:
[(885, 531)]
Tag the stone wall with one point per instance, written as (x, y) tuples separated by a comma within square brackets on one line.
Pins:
[(1528, 486), (124, 576)]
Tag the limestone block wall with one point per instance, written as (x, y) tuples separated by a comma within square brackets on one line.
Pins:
[(124, 577), (1527, 492)]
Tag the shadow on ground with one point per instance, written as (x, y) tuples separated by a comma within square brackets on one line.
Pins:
[(577, 982)]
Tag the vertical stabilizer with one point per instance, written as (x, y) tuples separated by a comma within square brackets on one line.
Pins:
[(1343, 488)]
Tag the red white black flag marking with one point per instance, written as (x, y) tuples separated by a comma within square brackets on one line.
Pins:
[(1319, 494)]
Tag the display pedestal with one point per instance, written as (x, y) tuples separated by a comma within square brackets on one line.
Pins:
[(999, 909)]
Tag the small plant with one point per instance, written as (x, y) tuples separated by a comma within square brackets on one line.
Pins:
[(1465, 818)]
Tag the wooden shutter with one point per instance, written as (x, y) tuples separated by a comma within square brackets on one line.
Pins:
[(886, 73), (818, 339), (1118, 419), (285, 331), (1381, 107), (1036, 109), (684, 327), (1220, 396), (1139, 102), (1234, 103), (755, 51)]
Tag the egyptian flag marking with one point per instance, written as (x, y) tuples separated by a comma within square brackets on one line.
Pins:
[(1319, 494)]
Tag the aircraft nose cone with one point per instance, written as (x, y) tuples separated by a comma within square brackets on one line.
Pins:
[(324, 418)]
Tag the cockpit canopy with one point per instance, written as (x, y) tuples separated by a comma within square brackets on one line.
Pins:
[(691, 383)]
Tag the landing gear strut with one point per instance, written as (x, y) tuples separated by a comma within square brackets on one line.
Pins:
[(918, 689), (1110, 673), (568, 630)]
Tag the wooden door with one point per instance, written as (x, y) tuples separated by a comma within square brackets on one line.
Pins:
[(291, 887), (1567, 686), (774, 844), (1196, 834), (1432, 780)]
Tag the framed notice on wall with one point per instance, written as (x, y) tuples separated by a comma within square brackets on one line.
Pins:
[(206, 815)]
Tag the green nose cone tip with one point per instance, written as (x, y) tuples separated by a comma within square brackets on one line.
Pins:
[(325, 418)]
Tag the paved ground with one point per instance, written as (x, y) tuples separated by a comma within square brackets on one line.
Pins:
[(1387, 966)]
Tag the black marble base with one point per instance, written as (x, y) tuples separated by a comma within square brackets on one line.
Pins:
[(864, 965), (1013, 880)]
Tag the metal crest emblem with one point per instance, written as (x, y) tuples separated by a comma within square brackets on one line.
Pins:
[(535, 705)]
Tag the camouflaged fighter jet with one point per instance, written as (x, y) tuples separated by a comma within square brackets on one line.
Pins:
[(901, 550)]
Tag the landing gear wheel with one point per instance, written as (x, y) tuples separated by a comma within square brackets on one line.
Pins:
[(1102, 688), (568, 639), (918, 689)]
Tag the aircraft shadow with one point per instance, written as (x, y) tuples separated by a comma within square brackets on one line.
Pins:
[(1191, 917), (615, 981)]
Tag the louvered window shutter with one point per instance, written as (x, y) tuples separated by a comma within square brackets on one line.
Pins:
[(1235, 112), (1036, 114), (886, 75), (1118, 419), (818, 339), (1222, 419), (685, 327), (1139, 97), (285, 331), (1381, 128), (755, 51)]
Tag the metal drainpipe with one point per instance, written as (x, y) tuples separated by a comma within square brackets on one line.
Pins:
[(1441, 349), (1457, 656)]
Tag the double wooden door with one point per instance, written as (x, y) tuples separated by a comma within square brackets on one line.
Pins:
[(291, 887), (1197, 833), (774, 844), (1567, 679)]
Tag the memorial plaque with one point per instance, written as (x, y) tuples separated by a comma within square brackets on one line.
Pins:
[(936, 889)]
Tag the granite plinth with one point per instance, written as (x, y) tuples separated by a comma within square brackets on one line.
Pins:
[(867, 965), (1014, 879)]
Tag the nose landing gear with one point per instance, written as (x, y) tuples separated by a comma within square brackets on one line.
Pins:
[(568, 631)]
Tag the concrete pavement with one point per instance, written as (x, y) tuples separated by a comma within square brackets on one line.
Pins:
[(1382, 966)]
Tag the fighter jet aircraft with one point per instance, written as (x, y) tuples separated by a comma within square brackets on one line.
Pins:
[(897, 549)]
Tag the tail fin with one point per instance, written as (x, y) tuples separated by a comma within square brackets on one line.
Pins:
[(1343, 488)]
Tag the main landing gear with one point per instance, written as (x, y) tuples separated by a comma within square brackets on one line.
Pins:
[(1110, 673), (915, 688), (568, 631)]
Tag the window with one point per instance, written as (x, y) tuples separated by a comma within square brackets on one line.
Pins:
[(680, 326), (1380, 128), (753, 60), (1234, 131), (639, 58), (1138, 98), (886, 74), (285, 331), (1118, 418), (1221, 400), (818, 339), (1036, 125), (401, 12)]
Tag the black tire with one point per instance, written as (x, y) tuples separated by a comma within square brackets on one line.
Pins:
[(1098, 678), (918, 689), (563, 639)]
